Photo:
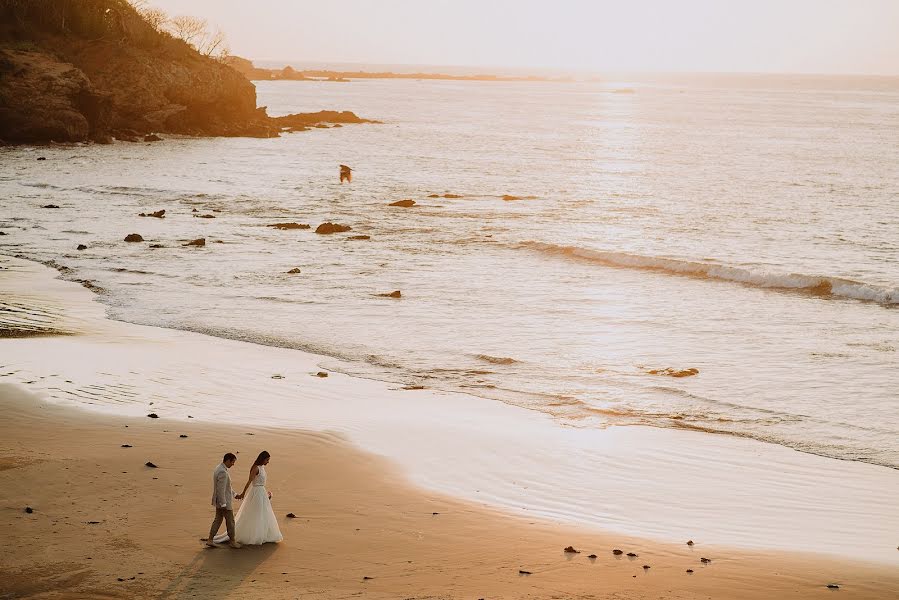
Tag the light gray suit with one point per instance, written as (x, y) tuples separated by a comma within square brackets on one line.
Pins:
[(222, 496)]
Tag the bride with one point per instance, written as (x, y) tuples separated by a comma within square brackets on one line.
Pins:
[(255, 522)]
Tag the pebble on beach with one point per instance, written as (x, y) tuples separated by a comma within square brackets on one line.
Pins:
[(617, 552), (571, 550), (29, 510), (151, 465), (153, 416)]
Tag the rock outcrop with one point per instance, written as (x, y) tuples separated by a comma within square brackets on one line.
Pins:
[(78, 70)]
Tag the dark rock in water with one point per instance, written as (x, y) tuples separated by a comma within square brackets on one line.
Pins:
[(159, 214), (571, 550), (705, 560), (294, 271), (289, 226), (433, 195), (413, 387), (204, 216), (617, 552), (403, 203), (690, 543), (323, 116), (2, 233), (452, 196), (194, 210), (321, 374), (151, 465), (277, 376), (156, 246), (523, 572), (326, 228), (81, 247), (42, 158), (29, 510), (393, 294), (833, 586), (632, 555), (152, 137), (153, 416), (359, 237), (133, 237), (182, 436), (127, 446), (50, 206), (509, 198), (199, 242), (291, 516)]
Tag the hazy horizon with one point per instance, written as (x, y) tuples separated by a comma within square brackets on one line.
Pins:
[(695, 36)]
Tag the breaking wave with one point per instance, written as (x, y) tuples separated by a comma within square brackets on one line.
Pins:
[(819, 285)]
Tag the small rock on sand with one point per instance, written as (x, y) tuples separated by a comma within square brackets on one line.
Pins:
[(182, 436), (645, 567), (632, 554), (50, 206), (690, 543), (321, 374), (393, 294), (29, 510), (669, 372), (403, 203), (291, 516), (134, 237), (617, 552), (199, 242), (81, 247), (328, 228), (452, 196), (153, 416), (571, 550), (294, 271), (42, 158), (689, 570), (151, 465), (705, 560), (833, 586), (593, 556), (366, 578), (127, 446)]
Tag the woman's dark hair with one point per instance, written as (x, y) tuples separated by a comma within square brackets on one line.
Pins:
[(261, 458)]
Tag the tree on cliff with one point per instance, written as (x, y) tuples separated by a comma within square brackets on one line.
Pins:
[(196, 32)]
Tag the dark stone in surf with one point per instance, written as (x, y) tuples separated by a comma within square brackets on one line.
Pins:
[(81, 247), (294, 271), (42, 158), (153, 416), (133, 237), (50, 206), (669, 372), (433, 195), (690, 543), (328, 228), (204, 216), (152, 137), (290, 226), (159, 214), (403, 203), (366, 578), (393, 294), (359, 237), (451, 196), (156, 246), (321, 374), (199, 242), (151, 465), (571, 550)]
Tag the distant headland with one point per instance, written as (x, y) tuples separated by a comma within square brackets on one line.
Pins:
[(289, 73)]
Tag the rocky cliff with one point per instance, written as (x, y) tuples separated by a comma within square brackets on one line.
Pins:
[(73, 70)]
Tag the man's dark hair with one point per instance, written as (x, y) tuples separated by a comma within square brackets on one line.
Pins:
[(228, 457)]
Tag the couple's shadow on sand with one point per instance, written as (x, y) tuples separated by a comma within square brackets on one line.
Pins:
[(218, 571)]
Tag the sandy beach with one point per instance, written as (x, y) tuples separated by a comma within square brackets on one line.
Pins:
[(105, 525)]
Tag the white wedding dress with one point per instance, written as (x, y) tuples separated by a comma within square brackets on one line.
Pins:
[(255, 522)]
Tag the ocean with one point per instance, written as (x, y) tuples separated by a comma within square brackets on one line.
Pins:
[(714, 253)]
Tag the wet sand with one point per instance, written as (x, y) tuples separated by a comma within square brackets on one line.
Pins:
[(100, 515)]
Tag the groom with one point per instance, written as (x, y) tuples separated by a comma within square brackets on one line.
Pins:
[(222, 494)]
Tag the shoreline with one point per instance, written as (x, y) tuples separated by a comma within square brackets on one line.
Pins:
[(103, 524), (664, 485)]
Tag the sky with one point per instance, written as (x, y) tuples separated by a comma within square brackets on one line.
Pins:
[(781, 36)]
